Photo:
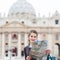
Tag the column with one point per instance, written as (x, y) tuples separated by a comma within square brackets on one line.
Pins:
[(3, 43), (19, 45), (56, 50), (39, 36), (26, 39), (49, 39), (0, 44), (9, 48)]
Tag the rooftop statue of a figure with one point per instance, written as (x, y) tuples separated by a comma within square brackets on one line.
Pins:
[(38, 49)]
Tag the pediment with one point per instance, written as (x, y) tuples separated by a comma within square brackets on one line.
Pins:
[(14, 24)]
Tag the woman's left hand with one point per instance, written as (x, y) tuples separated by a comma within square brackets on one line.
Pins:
[(28, 58)]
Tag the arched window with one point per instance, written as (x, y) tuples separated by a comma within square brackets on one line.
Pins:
[(58, 48)]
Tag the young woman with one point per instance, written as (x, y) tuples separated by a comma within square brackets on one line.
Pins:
[(32, 37)]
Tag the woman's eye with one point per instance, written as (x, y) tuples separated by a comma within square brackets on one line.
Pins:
[(33, 36)]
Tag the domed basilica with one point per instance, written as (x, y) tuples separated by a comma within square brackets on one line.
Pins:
[(20, 20)]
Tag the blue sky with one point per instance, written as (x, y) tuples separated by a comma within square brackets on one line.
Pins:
[(44, 7)]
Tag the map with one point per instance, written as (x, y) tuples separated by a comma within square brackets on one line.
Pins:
[(38, 48)]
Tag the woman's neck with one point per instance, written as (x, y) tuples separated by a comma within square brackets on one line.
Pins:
[(30, 44)]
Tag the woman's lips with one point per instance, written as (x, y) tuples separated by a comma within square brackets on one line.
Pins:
[(33, 40)]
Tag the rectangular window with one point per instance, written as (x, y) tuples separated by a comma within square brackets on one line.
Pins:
[(56, 21), (14, 52)]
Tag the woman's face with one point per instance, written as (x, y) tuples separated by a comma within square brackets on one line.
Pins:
[(32, 37)]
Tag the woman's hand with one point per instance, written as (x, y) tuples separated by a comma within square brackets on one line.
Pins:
[(28, 58)]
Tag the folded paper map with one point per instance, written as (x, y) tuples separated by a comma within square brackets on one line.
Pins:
[(38, 48)]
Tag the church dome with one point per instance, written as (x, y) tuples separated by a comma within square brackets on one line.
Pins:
[(21, 7)]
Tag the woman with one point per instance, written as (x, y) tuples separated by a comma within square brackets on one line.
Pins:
[(32, 37)]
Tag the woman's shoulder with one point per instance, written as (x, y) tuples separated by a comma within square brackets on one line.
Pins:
[(26, 46)]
